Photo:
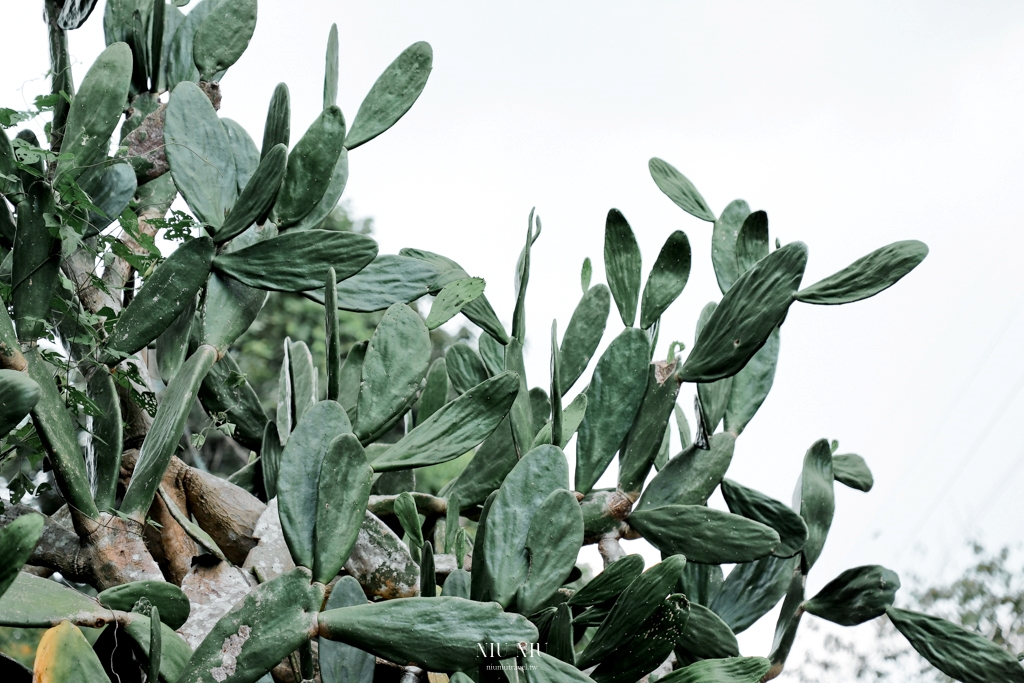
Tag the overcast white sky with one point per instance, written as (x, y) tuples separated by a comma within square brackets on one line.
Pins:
[(853, 125)]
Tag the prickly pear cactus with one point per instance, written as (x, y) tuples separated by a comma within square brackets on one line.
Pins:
[(320, 560)]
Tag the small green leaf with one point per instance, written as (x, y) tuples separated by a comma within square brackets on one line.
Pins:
[(704, 534), (851, 470), (455, 428), (223, 36), (667, 279), (761, 508), (17, 541), (749, 312), (752, 241), (866, 276), (585, 274), (729, 670), (633, 606), (622, 265), (645, 437), (342, 493), (397, 360), (392, 95), (297, 261), (817, 499), (855, 596), (954, 651), (438, 634), (173, 603), (723, 243), (165, 295), (680, 190), (613, 398), (310, 167), (199, 153), (277, 129), (452, 299), (691, 476), (297, 480), (331, 69), (162, 439)]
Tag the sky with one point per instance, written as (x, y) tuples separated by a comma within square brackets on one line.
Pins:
[(852, 124)]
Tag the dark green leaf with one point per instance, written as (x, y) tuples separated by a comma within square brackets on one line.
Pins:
[(223, 36), (707, 636), (730, 670), (691, 476), (521, 414), (452, 299), (59, 437), (277, 129), (311, 167), (723, 243), (607, 585), (855, 596), (341, 663), (297, 261), (18, 396), (866, 276), (35, 263), (553, 544), (704, 534), (817, 499), (270, 622), (649, 647), (750, 386), (342, 493), (297, 486), (680, 190), (667, 279), (95, 111), (199, 154), (749, 312), (397, 360), (392, 95), (648, 431), (435, 393), (172, 602), (752, 589), (168, 426), (761, 508), (536, 476), (752, 241), (622, 265), (851, 470), (633, 606), (257, 196), (166, 294), (954, 651), (613, 398), (455, 428), (439, 634), (465, 367), (17, 541)]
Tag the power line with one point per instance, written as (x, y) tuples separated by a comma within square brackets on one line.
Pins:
[(966, 460)]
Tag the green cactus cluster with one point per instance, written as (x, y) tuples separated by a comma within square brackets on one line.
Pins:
[(319, 560)]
